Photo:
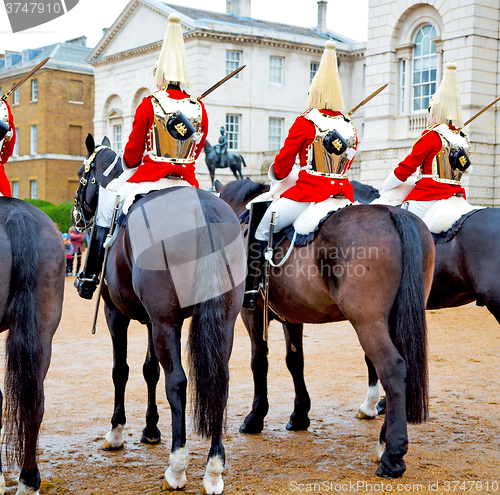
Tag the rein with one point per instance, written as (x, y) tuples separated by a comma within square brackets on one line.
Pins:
[(80, 206)]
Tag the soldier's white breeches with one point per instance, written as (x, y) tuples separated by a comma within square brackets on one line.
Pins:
[(419, 208), (287, 212)]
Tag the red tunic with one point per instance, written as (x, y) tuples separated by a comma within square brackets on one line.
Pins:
[(308, 187), (149, 169), (7, 150), (423, 152)]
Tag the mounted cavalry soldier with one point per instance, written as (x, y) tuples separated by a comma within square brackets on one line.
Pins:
[(441, 153), (7, 142), (168, 134), (325, 142)]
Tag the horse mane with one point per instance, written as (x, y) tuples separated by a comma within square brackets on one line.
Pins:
[(242, 191)]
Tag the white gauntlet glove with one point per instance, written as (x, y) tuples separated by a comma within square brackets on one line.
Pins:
[(391, 182)]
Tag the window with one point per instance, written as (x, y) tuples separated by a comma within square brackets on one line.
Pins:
[(402, 86), (75, 140), (117, 134), (15, 189), (275, 133), (312, 70), (33, 140), (16, 97), (15, 152), (276, 70), (233, 60), (233, 131), (424, 68), (75, 90), (34, 90), (33, 189)]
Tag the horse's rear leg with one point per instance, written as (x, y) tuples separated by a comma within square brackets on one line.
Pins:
[(369, 409), (167, 346), (151, 372), (391, 369), (299, 419), (253, 320), (118, 326)]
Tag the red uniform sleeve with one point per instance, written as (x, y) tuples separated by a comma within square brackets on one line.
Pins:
[(422, 154), (136, 144), (300, 136), (8, 146)]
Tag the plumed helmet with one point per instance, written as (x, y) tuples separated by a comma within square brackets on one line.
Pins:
[(445, 105), (325, 91), (171, 65)]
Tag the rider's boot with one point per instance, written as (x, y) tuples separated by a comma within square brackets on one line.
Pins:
[(255, 256), (87, 280)]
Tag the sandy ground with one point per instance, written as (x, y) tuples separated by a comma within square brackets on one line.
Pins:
[(457, 451)]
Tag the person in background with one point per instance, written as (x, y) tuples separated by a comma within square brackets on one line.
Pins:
[(77, 239), (70, 252), (7, 142)]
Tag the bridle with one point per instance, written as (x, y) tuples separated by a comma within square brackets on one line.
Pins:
[(81, 209)]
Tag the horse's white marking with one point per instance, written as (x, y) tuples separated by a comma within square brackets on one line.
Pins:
[(175, 475), (2, 484), (379, 450), (368, 408), (213, 484), (22, 489), (114, 439)]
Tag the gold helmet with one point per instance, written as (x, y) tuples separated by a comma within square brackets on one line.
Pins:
[(325, 91), (171, 66), (445, 105)]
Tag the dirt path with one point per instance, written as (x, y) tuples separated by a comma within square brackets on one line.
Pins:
[(461, 442)]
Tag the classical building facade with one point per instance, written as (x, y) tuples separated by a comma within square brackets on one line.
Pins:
[(409, 44), (256, 108), (53, 112)]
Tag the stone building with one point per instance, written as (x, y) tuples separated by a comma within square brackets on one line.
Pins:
[(409, 44), (53, 112), (256, 108)]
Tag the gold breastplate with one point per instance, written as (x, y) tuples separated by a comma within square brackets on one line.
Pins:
[(162, 145), (334, 145)]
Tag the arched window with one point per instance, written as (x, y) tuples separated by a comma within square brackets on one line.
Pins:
[(424, 68)]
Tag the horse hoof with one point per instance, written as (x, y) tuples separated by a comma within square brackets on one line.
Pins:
[(251, 426), (381, 407), (112, 446), (362, 415), (151, 439), (387, 471), (297, 425), (167, 487)]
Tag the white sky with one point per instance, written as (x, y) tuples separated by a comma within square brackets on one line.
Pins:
[(89, 17)]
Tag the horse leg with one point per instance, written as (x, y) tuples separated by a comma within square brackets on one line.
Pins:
[(118, 325), (151, 372), (253, 320), (166, 339), (299, 419), (391, 368), (369, 410)]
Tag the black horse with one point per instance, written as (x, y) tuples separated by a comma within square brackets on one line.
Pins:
[(466, 269), (179, 255), (32, 273), (213, 161), (382, 294)]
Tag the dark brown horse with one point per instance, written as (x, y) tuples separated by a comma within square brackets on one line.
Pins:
[(466, 269), (32, 267), (372, 266), (179, 255)]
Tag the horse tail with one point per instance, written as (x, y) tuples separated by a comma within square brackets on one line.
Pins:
[(243, 161), (408, 324), (207, 343), (23, 384)]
